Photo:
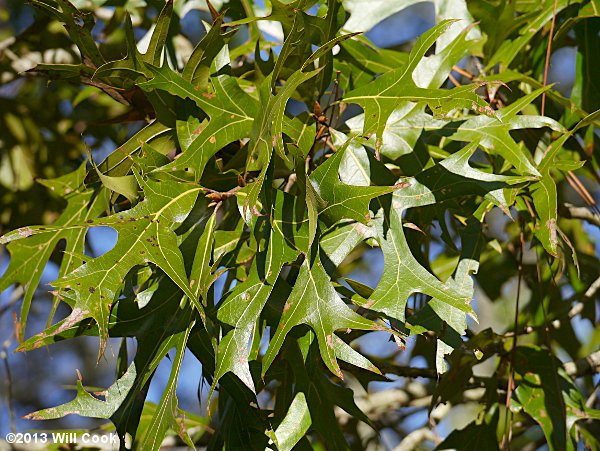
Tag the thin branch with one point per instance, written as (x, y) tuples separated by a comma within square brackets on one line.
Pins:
[(511, 373), (548, 53), (585, 366), (463, 72), (10, 401), (570, 211), (415, 438), (454, 81), (405, 371)]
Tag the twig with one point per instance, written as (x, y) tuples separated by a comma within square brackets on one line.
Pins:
[(547, 329), (463, 72), (584, 366), (581, 190), (454, 81), (11, 406), (570, 211), (557, 323), (415, 438), (548, 53), (511, 374), (217, 196), (405, 371), (579, 368), (290, 182), (589, 403)]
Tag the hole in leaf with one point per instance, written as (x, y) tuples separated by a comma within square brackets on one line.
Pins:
[(363, 266), (100, 240)]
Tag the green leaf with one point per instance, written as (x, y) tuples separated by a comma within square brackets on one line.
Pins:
[(231, 113), (160, 33), (145, 235), (267, 132), (448, 321), (188, 419), (243, 306), (383, 95), (548, 395), (380, 10), (405, 124), (125, 184), (586, 89), (119, 162), (201, 275), (294, 425), (167, 413), (472, 437), (544, 193), (314, 301), (510, 48), (88, 405), (340, 200), (29, 257), (403, 275), (197, 69), (322, 395), (78, 24)]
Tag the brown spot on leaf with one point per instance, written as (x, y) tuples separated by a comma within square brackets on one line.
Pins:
[(551, 225), (369, 303), (76, 316), (212, 139), (33, 416), (401, 185), (25, 232)]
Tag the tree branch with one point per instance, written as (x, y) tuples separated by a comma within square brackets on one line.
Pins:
[(570, 211), (583, 367)]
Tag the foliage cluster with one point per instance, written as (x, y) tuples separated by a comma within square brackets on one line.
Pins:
[(263, 157)]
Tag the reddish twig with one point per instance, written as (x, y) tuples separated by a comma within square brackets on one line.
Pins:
[(548, 53), (511, 374)]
